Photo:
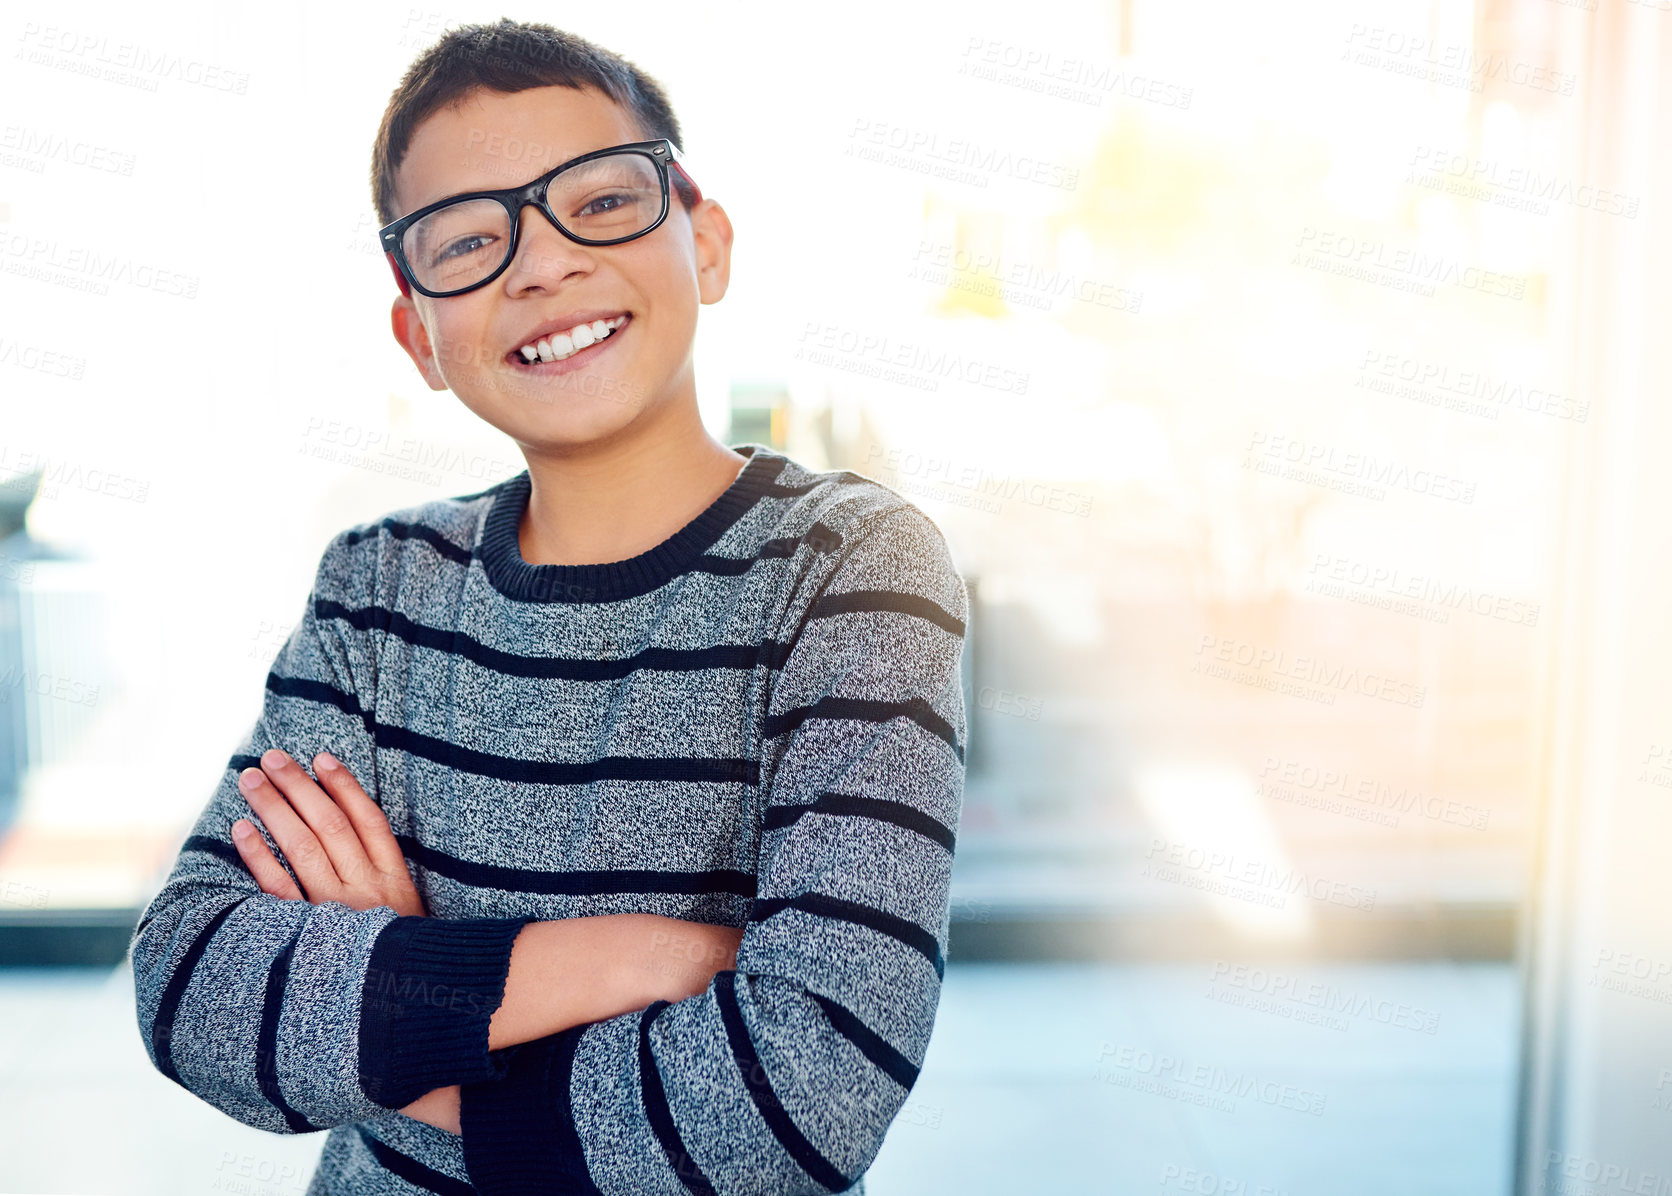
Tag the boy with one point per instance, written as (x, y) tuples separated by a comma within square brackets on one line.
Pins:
[(626, 865)]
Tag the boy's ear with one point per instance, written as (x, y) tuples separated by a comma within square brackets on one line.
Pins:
[(409, 330), (711, 230)]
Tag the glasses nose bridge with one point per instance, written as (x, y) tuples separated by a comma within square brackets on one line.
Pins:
[(533, 196)]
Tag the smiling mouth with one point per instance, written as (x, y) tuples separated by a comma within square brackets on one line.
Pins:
[(562, 352)]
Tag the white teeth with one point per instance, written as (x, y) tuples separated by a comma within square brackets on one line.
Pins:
[(556, 348)]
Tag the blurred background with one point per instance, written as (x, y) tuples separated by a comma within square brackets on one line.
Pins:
[(1289, 381)]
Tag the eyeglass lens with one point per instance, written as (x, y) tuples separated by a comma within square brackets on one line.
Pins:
[(618, 195)]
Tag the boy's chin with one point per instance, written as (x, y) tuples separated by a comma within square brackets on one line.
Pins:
[(585, 396), (554, 416)]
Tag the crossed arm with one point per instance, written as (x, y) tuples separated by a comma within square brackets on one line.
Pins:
[(563, 973), (263, 973)]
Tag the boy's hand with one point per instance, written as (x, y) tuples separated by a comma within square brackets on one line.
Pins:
[(336, 838)]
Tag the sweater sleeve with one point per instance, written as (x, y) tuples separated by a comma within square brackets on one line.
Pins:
[(785, 1074), (289, 1016)]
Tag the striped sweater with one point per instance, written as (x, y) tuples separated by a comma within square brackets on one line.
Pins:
[(758, 723)]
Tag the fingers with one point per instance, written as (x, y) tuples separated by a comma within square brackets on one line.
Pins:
[(369, 821), (329, 827), (307, 856), (268, 872)]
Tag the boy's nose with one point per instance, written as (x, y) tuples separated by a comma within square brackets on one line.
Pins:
[(543, 252)]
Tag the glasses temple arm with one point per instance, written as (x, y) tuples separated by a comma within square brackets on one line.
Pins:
[(689, 182), (400, 279)]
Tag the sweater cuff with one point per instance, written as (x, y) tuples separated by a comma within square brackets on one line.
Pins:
[(432, 986), (518, 1130)]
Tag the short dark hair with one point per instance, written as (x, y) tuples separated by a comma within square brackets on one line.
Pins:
[(507, 57)]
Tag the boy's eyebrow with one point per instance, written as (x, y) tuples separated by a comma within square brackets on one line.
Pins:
[(501, 185)]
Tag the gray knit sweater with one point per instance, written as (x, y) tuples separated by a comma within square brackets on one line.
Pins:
[(758, 723)]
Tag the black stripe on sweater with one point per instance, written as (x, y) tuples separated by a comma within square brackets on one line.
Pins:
[(572, 1168), (873, 1045), (412, 1171), (162, 1028), (548, 668), (864, 601), (881, 809), (869, 710), (719, 769), (221, 847), (821, 537), (760, 1090), (661, 1118), (777, 489), (579, 882), (820, 905), (568, 883), (401, 530), (267, 1045)]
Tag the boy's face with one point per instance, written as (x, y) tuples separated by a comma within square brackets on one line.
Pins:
[(470, 344)]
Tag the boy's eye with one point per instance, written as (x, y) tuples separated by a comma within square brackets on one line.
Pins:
[(603, 204), (462, 246)]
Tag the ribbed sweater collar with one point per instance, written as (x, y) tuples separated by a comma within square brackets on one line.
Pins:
[(511, 575)]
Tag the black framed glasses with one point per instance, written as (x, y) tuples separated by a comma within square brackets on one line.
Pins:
[(601, 198)]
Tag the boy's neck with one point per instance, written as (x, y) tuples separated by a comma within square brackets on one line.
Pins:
[(616, 500)]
